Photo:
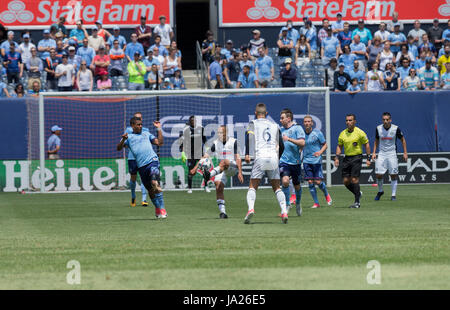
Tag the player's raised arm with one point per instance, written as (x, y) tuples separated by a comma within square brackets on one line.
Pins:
[(160, 140), (122, 142)]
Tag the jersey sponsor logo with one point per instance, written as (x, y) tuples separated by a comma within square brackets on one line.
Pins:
[(266, 135)]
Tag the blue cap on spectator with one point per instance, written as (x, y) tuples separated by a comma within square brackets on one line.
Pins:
[(396, 24), (10, 32), (284, 29), (95, 28), (167, 80), (64, 54), (341, 64), (46, 31), (99, 22), (177, 69), (26, 36), (339, 14), (55, 128), (72, 42), (116, 27)]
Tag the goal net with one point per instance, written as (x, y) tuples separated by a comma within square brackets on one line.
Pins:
[(92, 125)]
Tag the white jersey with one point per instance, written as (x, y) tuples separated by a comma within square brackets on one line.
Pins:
[(387, 139), (225, 150), (266, 138)]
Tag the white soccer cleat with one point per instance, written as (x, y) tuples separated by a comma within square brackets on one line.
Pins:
[(207, 189), (189, 191), (249, 216)]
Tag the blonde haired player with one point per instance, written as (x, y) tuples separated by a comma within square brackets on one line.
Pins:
[(262, 139)]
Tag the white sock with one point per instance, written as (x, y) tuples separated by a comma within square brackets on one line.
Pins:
[(281, 200), (215, 171), (380, 185), (221, 204), (394, 187), (251, 197)]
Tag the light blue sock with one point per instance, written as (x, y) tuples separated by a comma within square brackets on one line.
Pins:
[(286, 193), (133, 189), (312, 190), (323, 187), (298, 195), (160, 199), (144, 192)]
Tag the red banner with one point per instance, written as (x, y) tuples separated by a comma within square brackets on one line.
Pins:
[(42, 13), (276, 12)]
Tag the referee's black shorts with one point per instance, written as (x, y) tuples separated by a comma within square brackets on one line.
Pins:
[(191, 163), (351, 166)]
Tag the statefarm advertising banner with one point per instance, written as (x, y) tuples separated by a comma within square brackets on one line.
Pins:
[(234, 13), (39, 14)]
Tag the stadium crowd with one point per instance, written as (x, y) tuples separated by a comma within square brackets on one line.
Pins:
[(75, 60), (352, 60)]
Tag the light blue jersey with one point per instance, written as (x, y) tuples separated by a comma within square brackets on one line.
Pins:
[(53, 142), (291, 153), (129, 130), (141, 147), (313, 143)]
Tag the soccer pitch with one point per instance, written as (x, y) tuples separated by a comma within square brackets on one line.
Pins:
[(119, 247)]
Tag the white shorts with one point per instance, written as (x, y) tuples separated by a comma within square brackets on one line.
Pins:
[(386, 162), (267, 166), (230, 172)]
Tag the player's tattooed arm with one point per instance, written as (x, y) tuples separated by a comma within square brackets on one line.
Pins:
[(122, 142), (160, 140)]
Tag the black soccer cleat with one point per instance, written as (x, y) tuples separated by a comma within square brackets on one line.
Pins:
[(378, 196), (223, 216), (206, 174), (356, 205), (393, 198)]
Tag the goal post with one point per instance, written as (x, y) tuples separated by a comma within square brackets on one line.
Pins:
[(231, 107)]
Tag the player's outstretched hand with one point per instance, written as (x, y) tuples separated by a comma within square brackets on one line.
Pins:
[(157, 124), (241, 178), (125, 136)]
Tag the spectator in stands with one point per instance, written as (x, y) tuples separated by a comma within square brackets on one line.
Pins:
[(65, 73), (446, 33), (246, 61), (353, 87), (302, 51), (86, 53), (429, 54), (171, 62), (247, 79), (435, 34), (444, 59), (215, 73), (304, 29), (105, 34), (222, 56), (50, 64), (74, 59), (357, 73), (117, 36), (429, 76), (391, 77), (154, 79), (161, 48), (136, 72), (101, 63), (364, 33), (117, 56), (359, 49), (420, 63), (391, 24), (382, 33), (53, 32), (311, 37), (79, 33), (104, 82), (329, 73), (228, 50), (178, 80), (323, 32), (13, 64), (19, 92), (35, 67), (347, 58), (341, 79), (173, 45), (160, 59), (25, 48), (46, 44), (255, 44), (60, 26), (292, 34), (417, 33), (95, 41), (442, 50), (404, 69), (85, 79), (288, 74), (338, 25), (164, 31), (143, 34), (404, 53), (285, 45), (445, 78), (35, 89), (330, 47), (426, 43), (4, 90), (385, 56), (133, 47), (209, 47), (232, 71), (5, 46), (264, 68), (396, 39), (345, 36), (374, 79), (167, 85), (59, 48), (373, 51), (149, 61), (412, 48), (412, 81)]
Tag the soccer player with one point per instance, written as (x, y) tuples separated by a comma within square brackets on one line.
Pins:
[(315, 145), (352, 139), (263, 137), (192, 144), (133, 169), (290, 162), (230, 164), (140, 143), (386, 136)]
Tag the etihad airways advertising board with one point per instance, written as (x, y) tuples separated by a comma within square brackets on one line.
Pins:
[(234, 13)]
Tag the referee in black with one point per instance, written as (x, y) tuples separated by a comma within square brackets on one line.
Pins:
[(352, 139), (192, 143)]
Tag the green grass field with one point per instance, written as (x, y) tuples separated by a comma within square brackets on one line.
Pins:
[(120, 247)]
